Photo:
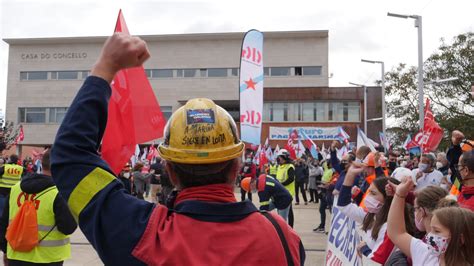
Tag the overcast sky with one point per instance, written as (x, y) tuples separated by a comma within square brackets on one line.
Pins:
[(357, 29)]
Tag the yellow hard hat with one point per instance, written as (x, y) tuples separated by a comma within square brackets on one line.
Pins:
[(200, 132)]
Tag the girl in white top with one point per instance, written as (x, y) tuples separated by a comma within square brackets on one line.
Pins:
[(375, 245), (450, 241)]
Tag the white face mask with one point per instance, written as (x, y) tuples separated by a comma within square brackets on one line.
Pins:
[(422, 167), (437, 244), (439, 165), (126, 175)]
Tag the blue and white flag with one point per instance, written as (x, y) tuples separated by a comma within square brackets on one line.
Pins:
[(251, 87)]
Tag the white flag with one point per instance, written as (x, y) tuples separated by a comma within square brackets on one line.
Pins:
[(251, 87), (363, 140)]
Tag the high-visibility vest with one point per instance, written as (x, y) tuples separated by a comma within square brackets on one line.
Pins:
[(273, 169), (55, 247), (11, 175), (282, 176)]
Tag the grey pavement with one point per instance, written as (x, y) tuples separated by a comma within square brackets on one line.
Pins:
[(306, 218)]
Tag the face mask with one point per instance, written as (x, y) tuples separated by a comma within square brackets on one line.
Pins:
[(422, 167), (372, 204), (437, 244), (419, 224), (126, 175), (248, 160), (439, 165)]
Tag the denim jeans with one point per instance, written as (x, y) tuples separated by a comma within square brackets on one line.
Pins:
[(282, 212)]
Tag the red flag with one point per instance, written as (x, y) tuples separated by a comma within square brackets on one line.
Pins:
[(290, 147), (429, 138), (21, 135), (134, 113), (432, 132)]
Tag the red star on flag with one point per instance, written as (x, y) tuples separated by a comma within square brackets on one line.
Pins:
[(250, 84)]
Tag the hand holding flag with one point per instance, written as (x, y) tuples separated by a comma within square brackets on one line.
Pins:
[(134, 115)]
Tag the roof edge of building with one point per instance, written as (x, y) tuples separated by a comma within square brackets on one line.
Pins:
[(172, 37)]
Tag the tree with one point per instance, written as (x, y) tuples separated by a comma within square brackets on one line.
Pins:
[(452, 104)]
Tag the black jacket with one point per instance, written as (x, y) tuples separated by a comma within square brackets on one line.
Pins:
[(34, 183), (301, 172)]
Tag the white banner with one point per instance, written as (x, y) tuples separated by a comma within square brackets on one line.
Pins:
[(343, 238), (251, 87), (314, 133)]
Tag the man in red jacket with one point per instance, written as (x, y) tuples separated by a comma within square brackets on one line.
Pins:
[(205, 225), (466, 171)]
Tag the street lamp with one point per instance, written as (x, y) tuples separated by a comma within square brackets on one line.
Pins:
[(418, 24), (440, 81), (365, 104), (383, 90)]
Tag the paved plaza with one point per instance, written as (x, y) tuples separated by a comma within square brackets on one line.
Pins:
[(306, 218)]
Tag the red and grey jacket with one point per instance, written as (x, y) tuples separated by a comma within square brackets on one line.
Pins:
[(206, 226)]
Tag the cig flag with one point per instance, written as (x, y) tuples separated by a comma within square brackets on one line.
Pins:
[(251, 87), (134, 115)]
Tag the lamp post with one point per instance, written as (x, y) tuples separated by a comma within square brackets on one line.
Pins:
[(418, 24), (384, 110), (365, 104)]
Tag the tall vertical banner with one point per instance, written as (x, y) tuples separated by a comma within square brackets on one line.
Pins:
[(251, 87), (134, 115)]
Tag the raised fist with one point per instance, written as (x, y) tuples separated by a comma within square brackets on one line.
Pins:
[(120, 51)]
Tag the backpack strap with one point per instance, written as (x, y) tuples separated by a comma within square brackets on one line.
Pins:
[(49, 232), (289, 258)]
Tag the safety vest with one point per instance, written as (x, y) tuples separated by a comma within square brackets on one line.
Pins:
[(11, 175), (55, 247), (273, 170), (282, 176)]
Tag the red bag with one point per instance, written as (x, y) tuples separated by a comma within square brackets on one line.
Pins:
[(22, 232)]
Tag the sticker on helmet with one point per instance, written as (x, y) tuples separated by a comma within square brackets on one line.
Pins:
[(195, 116)]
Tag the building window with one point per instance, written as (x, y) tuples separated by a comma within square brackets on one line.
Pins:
[(67, 74), (320, 112), (85, 74), (217, 72), (235, 72), (34, 75), (279, 112), (308, 111), (167, 111), (161, 73), (353, 111), (57, 114), (32, 115), (312, 71), (148, 73), (280, 71), (298, 71), (266, 71), (187, 73), (203, 72)]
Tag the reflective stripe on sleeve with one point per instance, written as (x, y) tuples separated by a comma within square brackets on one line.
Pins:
[(270, 184), (263, 203), (89, 186)]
